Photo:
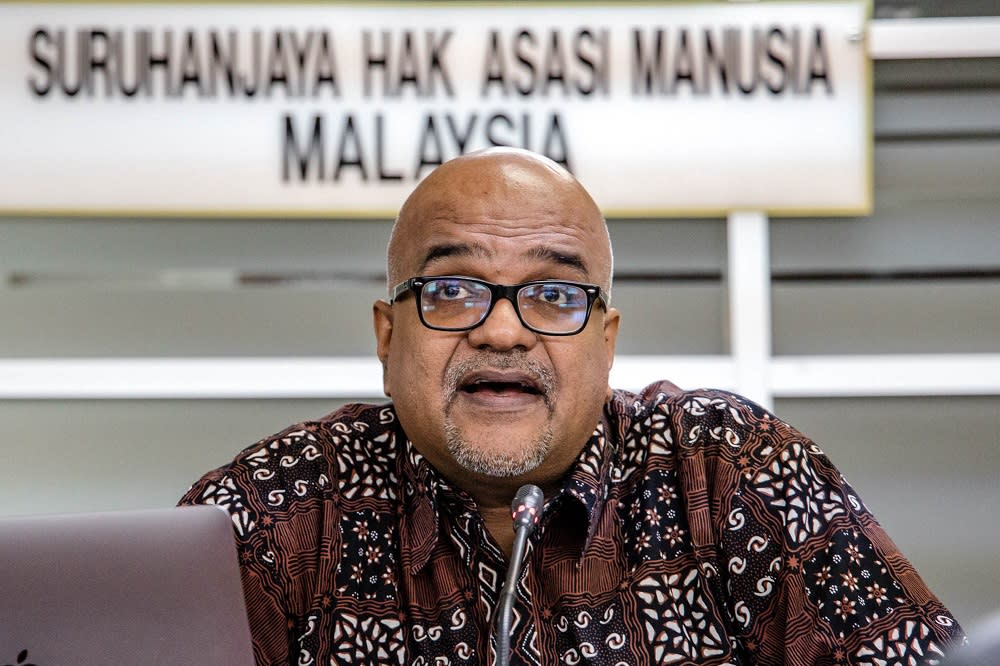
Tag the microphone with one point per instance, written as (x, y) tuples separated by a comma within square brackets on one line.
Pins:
[(526, 510)]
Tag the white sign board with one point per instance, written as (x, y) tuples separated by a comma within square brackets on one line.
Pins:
[(338, 110)]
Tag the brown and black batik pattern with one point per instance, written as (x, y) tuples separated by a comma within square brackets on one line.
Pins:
[(695, 528)]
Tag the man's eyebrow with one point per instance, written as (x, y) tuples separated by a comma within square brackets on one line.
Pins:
[(452, 250), (554, 256)]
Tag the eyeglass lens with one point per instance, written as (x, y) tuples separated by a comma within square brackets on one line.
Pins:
[(455, 303)]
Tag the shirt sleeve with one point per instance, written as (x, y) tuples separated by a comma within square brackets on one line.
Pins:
[(807, 573), (273, 531)]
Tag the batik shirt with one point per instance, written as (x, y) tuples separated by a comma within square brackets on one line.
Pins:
[(694, 528)]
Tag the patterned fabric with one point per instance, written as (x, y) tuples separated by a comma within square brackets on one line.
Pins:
[(694, 528)]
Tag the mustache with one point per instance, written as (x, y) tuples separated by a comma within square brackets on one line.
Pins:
[(516, 360)]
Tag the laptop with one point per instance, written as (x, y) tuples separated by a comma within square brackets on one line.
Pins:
[(154, 587)]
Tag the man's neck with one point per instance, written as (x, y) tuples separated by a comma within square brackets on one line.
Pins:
[(499, 524), (493, 498)]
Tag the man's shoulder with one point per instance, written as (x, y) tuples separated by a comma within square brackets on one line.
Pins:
[(351, 428), (308, 457), (702, 403), (703, 418)]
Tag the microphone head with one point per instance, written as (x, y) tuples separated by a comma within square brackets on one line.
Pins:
[(526, 508)]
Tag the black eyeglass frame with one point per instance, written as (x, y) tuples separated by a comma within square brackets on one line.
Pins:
[(497, 291)]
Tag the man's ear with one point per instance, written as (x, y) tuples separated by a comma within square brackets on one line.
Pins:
[(382, 321), (611, 320)]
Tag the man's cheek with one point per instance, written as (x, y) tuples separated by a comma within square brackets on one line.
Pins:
[(421, 375)]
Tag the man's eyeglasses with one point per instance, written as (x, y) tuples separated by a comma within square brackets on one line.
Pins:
[(549, 307)]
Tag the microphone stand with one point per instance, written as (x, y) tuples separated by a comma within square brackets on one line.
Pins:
[(526, 510)]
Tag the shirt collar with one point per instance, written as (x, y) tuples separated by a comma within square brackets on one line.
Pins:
[(588, 481), (419, 507)]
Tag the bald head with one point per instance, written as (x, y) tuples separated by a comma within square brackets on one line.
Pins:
[(503, 192)]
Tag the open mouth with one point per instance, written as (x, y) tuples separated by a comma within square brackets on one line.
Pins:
[(496, 383)]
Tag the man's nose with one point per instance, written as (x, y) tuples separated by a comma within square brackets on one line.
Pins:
[(502, 330)]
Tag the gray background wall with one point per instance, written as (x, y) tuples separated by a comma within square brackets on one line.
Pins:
[(922, 274)]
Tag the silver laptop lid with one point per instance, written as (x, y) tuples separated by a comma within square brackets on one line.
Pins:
[(137, 587)]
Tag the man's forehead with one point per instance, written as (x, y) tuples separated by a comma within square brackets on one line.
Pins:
[(491, 222), (493, 201), (506, 205)]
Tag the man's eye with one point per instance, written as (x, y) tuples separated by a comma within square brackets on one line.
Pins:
[(450, 291), (553, 295)]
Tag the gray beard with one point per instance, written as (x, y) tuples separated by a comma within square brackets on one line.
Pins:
[(490, 463)]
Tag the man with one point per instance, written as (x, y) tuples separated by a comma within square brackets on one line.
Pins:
[(678, 528)]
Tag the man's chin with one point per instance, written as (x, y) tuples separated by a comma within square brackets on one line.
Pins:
[(503, 456), (495, 467)]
